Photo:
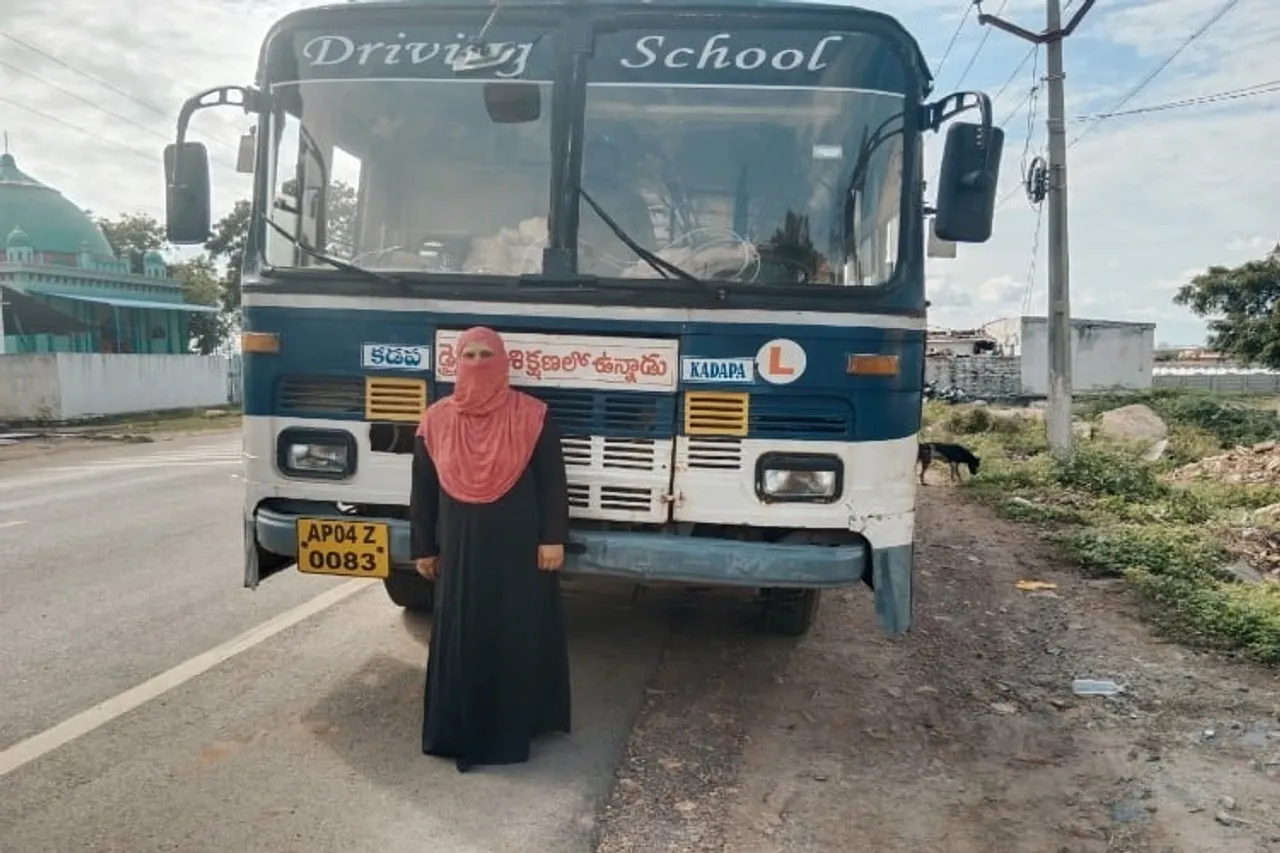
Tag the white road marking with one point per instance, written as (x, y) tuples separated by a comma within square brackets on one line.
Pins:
[(195, 457), (99, 715), (5, 525), (93, 488), (219, 455)]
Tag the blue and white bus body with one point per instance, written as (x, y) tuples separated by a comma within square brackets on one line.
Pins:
[(740, 411), (660, 489)]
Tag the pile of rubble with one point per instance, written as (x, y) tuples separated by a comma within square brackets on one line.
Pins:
[(1257, 464), (1256, 551)]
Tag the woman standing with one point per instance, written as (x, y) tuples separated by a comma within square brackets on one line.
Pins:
[(489, 510)]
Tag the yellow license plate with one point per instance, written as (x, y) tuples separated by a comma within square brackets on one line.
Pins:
[(332, 546)]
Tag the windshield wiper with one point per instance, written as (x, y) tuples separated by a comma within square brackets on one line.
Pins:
[(336, 263), (662, 265)]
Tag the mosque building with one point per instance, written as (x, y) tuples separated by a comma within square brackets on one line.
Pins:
[(63, 289)]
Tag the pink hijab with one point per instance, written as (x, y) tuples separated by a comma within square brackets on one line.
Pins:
[(481, 438)]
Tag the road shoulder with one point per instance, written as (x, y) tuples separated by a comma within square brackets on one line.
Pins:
[(964, 737)]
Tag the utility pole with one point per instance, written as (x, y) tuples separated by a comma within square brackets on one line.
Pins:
[(1059, 414)]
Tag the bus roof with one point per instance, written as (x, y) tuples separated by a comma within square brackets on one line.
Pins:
[(887, 25)]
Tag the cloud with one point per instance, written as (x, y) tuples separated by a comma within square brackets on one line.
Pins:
[(93, 93), (1153, 197)]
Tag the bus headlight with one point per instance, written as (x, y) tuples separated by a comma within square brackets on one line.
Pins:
[(799, 477), (326, 454)]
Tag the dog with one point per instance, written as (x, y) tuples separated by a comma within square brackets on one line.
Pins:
[(954, 455)]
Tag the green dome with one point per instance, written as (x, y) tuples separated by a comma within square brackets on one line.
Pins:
[(51, 223), (17, 239)]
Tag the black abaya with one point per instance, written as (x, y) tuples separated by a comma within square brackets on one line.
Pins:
[(498, 669)]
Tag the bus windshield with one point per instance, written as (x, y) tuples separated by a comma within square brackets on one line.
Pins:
[(771, 157), (418, 178), (383, 156), (740, 156)]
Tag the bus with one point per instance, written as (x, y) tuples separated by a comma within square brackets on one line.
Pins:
[(699, 226)]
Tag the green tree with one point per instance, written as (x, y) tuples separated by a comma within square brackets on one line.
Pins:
[(341, 213), (231, 234), (132, 235), (226, 246), (1243, 307), (201, 286)]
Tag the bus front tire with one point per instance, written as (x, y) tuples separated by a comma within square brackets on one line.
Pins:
[(790, 612), (411, 591)]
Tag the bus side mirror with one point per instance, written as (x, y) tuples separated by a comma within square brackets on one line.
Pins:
[(514, 102), (186, 203), (966, 204)]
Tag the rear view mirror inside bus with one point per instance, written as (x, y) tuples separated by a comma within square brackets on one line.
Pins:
[(513, 102), (967, 183), (186, 173)]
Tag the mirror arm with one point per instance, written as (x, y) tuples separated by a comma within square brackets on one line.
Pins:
[(252, 101), (941, 111)]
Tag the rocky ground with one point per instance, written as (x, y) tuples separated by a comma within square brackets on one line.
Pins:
[(964, 737)]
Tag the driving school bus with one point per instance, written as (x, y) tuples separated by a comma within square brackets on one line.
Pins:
[(700, 228)]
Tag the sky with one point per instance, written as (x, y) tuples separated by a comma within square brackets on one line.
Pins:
[(89, 92)]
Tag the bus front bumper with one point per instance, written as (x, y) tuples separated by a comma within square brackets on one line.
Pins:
[(643, 557)]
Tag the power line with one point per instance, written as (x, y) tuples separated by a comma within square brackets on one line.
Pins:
[(1186, 103), (1033, 98), (968, 10), (81, 98), (101, 81), (1217, 97), (97, 106), (151, 159), (1032, 91), (1035, 255), (986, 34), (86, 74), (1159, 69), (1014, 73)]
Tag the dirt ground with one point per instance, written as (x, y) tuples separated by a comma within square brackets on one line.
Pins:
[(963, 737)]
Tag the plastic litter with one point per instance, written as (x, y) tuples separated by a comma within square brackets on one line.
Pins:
[(1094, 687)]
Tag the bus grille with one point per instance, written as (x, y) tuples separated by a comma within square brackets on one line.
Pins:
[(716, 413), (800, 416), (617, 479), (320, 395), (631, 454), (713, 454), (585, 412), (394, 399)]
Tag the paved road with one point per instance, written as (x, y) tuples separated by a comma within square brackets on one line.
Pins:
[(148, 702)]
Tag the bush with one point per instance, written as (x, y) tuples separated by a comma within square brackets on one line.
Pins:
[(1232, 496), (1100, 472), (1158, 550), (1021, 509), (1229, 421), (978, 419), (1179, 506), (1220, 615), (1189, 444), (1009, 476), (1114, 514)]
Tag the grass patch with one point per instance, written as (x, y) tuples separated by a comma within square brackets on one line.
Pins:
[(1117, 516), (1228, 419)]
